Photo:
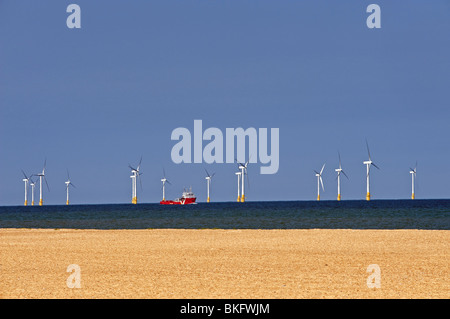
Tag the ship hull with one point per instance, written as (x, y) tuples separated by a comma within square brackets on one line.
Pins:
[(183, 201)]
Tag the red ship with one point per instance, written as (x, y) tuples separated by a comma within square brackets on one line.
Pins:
[(188, 197)]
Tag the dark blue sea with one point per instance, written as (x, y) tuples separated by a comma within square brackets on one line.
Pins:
[(376, 214)]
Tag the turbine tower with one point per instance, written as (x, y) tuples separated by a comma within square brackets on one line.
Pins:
[(413, 173), (243, 168), (136, 175), (26, 180), (368, 164), (42, 177), (208, 182), (238, 174), (68, 183), (319, 181), (339, 171), (164, 181)]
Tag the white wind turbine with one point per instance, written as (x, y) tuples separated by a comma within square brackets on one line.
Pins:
[(42, 177), (238, 174), (208, 182), (164, 181), (32, 184), (413, 173), (243, 168), (68, 183), (26, 180), (368, 164), (136, 175), (339, 171), (319, 181)]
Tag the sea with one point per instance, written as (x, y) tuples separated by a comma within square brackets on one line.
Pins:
[(349, 214)]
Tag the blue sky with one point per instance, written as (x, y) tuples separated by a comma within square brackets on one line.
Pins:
[(93, 100)]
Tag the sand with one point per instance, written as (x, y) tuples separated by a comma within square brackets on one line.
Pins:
[(216, 263)]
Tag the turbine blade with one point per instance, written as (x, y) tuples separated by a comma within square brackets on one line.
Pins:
[(140, 181), (339, 154), (345, 175), (368, 151), (375, 165), (316, 172), (207, 173), (321, 182), (139, 165), (239, 163), (25, 174), (322, 169), (48, 188), (72, 184), (416, 181), (213, 175), (248, 180)]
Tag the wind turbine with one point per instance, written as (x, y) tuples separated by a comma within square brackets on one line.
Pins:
[(368, 164), (26, 180), (413, 173), (208, 182), (319, 181), (164, 181), (136, 175), (238, 174), (68, 183), (42, 177), (243, 168), (339, 171), (32, 184)]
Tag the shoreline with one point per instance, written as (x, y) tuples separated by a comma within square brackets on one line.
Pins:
[(224, 263)]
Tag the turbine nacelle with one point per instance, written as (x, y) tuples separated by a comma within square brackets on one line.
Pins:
[(208, 176)]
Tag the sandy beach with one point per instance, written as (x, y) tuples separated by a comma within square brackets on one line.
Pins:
[(216, 263)]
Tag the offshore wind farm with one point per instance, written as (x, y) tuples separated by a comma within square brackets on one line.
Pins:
[(242, 179)]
